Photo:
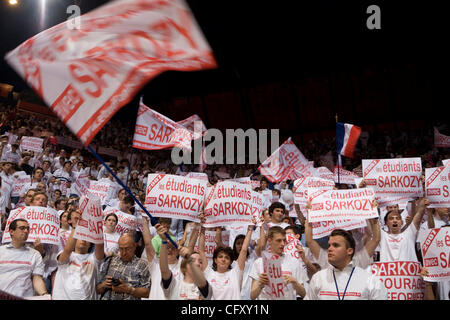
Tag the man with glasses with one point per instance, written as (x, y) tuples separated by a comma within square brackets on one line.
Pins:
[(21, 267), (124, 277)]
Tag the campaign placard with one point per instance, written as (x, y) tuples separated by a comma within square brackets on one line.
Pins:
[(210, 242), (43, 222), (437, 187), (401, 279), (99, 189), (352, 204), (272, 267), (82, 184), (340, 175), (31, 144), (324, 228), (303, 184), (435, 247), (231, 203), (90, 225), (173, 196), (21, 182), (394, 178), (127, 223)]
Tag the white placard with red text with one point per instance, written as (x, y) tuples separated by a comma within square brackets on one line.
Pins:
[(43, 222), (210, 242), (99, 189), (90, 225), (397, 178), (401, 279), (272, 267), (82, 184), (21, 182), (175, 197), (231, 203), (353, 204), (324, 228), (341, 175), (437, 187), (301, 188), (31, 144), (446, 162), (127, 223), (435, 247)]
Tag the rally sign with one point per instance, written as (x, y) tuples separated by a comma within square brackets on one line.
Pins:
[(325, 173), (21, 182), (173, 196), (291, 246), (340, 175), (446, 162), (437, 186), (31, 144), (391, 178), (43, 221), (90, 225), (210, 242), (354, 204), (197, 175), (435, 247), (82, 184), (303, 184), (440, 140), (272, 267), (401, 279), (127, 223), (155, 131), (230, 203), (324, 228), (99, 189)]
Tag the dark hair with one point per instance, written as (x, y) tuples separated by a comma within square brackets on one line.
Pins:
[(112, 214), (276, 205), (128, 199), (349, 240), (296, 229), (227, 250), (275, 229), (388, 213), (165, 220), (38, 168), (13, 224), (235, 253), (58, 201), (277, 192)]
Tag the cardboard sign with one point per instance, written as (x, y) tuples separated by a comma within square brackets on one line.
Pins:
[(31, 144), (391, 178), (341, 175), (197, 175), (437, 186), (82, 184), (401, 279), (303, 184), (99, 189), (127, 223), (44, 224), (173, 196), (324, 228), (210, 242), (291, 246), (230, 203), (440, 140), (272, 267), (435, 247), (446, 162), (21, 182), (90, 225), (353, 204), (325, 173)]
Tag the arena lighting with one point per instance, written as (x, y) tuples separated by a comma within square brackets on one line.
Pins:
[(12, 2)]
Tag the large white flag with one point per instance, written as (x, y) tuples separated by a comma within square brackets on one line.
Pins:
[(86, 75)]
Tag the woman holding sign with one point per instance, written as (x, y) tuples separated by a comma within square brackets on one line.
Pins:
[(226, 282)]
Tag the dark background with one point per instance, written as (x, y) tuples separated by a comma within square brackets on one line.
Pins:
[(291, 65)]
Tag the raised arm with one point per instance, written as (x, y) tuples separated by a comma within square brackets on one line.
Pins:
[(300, 215), (201, 248), (243, 254), (68, 249), (373, 242), (420, 212), (163, 260), (146, 235)]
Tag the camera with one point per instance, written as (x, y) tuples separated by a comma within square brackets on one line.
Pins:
[(115, 282)]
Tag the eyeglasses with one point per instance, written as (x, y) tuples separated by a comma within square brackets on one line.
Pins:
[(23, 228)]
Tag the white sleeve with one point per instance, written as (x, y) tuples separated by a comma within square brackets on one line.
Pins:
[(377, 290), (311, 293)]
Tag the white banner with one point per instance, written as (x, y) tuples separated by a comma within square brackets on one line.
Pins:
[(44, 224), (393, 178), (231, 203), (303, 184), (21, 182), (127, 223), (353, 204), (401, 279), (341, 175), (440, 140), (210, 242), (324, 228), (446, 162), (175, 197), (99, 189), (90, 225), (31, 144), (82, 184), (437, 187), (435, 247), (197, 175), (272, 267)]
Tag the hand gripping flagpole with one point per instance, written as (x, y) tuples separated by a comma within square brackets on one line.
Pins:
[(129, 191)]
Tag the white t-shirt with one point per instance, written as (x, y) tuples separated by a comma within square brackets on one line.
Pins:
[(111, 241), (156, 290), (17, 266), (76, 279), (399, 247), (225, 286), (361, 259), (289, 266), (246, 286), (181, 290), (362, 285)]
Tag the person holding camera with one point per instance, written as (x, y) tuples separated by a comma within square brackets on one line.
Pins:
[(124, 276)]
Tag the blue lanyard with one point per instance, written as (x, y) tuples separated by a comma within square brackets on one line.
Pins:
[(337, 289)]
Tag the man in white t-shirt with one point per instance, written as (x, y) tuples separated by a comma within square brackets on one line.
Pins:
[(21, 267), (343, 279), (294, 275), (78, 269), (398, 245)]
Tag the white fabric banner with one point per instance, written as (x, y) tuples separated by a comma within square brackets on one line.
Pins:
[(175, 197), (353, 204), (437, 187), (31, 144), (435, 247)]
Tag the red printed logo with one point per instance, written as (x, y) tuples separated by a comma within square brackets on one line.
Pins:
[(150, 200), (67, 103), (431, 262), (434, 192), (141, 130), (317, 206)]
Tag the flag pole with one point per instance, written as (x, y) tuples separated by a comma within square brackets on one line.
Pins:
[(337, 154), (128, 190)]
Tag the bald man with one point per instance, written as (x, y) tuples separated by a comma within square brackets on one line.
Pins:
[(124, 277)]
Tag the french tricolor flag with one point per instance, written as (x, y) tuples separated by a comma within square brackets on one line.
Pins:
[(347, 136)]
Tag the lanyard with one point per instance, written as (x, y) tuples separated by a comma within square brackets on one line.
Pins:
[(337, 289)]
